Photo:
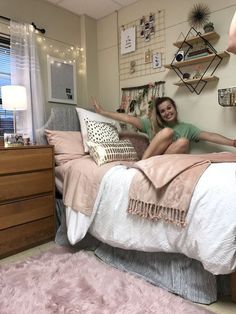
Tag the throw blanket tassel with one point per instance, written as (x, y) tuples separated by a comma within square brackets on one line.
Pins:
[(156, 212)]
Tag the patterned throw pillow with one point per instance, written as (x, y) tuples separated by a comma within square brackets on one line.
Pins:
[(99, 132), (112, 151), (86, 114)]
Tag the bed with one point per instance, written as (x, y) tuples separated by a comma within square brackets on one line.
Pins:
[(193, 261)]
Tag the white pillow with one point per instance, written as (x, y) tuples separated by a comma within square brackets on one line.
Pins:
[(86, 114), (100, 132)]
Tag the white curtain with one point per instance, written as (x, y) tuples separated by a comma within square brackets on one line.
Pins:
[(25, 70)]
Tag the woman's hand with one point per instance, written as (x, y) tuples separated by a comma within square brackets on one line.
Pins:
[(96, 105)]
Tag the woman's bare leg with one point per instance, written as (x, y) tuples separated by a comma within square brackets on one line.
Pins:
[(180, 146), (159, 144)]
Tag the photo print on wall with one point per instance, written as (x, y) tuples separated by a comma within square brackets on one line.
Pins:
[(147, 27), (128, 40)]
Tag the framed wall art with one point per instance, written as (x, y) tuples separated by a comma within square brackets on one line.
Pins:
[(128, 40), (61, 81)]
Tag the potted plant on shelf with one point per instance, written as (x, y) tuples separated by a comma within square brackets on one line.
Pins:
[(208, 27)]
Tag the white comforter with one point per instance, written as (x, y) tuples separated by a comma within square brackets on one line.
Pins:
[(211, 221)]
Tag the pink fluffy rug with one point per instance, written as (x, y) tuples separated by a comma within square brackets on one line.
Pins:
[(59, 282)]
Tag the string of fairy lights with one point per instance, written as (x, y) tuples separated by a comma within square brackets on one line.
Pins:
[(68, 53), (54, 48)]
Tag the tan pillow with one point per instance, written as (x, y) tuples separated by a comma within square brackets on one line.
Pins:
[(139, 140), (68, 145), (112, 151)]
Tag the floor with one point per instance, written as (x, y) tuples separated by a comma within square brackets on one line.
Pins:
[(224, 306)]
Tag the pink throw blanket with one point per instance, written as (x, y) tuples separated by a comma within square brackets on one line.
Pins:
[(163, 187), (82, 178)]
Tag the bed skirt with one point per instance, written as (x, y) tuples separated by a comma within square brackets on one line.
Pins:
[(174, 272)]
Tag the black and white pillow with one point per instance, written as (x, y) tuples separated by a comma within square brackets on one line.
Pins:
[(92, 116), (100, 132)]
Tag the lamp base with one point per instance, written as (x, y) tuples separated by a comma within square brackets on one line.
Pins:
[(13, 139)]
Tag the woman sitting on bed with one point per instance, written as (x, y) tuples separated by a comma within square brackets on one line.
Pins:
[(172, 137)]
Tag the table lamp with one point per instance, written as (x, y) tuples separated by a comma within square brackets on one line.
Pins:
[(14, 98)]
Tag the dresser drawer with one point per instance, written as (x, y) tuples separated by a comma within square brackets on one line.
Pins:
[(26, 184), (20, 212), (21, 237), (25, 159)]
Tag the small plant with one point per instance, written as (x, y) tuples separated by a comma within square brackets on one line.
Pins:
[(208, 27)]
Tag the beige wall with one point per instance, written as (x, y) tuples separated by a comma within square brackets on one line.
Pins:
[(59, 24), (89, 39), (63, 31), (108, 61), (202, 110), (98, 64)]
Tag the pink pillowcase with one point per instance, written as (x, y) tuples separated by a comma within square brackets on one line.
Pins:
[(232, 36), (68, 145)]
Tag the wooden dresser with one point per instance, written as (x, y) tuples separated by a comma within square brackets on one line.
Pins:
[(27, 200)]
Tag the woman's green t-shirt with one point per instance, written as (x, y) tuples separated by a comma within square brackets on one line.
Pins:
[(181, 129)]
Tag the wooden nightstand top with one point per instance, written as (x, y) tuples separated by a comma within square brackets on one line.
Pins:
[(26, 158), (2, 147)]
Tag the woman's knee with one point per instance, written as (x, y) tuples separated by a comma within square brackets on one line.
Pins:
[(167, 133), (183, 144)]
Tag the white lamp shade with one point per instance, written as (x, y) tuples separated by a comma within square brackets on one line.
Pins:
[(14, 97)]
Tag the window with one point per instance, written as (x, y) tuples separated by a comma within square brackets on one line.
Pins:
[(6, 116)]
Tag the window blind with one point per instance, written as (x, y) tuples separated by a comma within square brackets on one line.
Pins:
[(6, 116)]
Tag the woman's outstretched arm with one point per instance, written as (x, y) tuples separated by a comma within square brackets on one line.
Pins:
[(123, 117), (216, 138)]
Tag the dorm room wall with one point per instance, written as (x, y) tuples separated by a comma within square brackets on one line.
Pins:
[(202, 110), (63, 29)]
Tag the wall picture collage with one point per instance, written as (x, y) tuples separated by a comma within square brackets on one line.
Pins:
[(142, 46)]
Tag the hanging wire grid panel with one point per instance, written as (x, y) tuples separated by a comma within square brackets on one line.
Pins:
[(156, 44)]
